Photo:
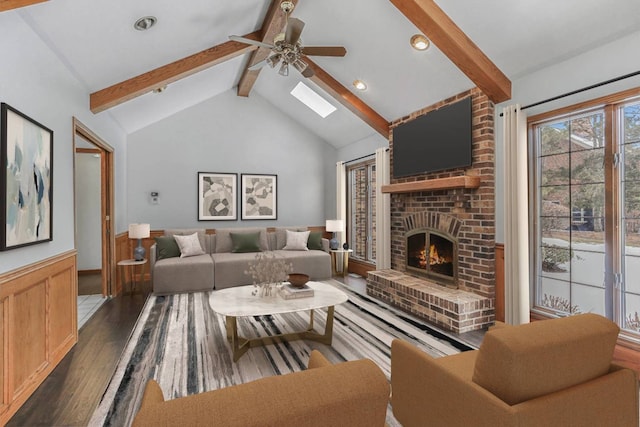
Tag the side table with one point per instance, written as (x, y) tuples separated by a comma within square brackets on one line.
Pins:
[(345, 261), (131, 264)]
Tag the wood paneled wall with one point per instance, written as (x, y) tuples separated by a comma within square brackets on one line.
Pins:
[(38, 326)]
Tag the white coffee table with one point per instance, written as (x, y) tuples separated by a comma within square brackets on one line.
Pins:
[(238, 302)]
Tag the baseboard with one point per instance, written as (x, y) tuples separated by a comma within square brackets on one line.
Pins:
[(89, 272)]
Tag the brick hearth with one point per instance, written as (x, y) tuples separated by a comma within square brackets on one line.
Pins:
[(451, 309)]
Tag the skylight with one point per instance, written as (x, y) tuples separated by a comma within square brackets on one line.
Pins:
[(311, 99)]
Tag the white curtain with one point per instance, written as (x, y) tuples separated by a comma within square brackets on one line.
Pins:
[(341, 197), (516, 248), (383, 211)]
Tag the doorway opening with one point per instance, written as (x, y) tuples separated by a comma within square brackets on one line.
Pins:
[(94, 239)]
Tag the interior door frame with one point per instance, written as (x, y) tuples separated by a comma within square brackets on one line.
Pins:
[(107, 201)]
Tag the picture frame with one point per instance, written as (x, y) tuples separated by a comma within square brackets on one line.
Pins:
[(259, 196), (26, 192), (217, 196)]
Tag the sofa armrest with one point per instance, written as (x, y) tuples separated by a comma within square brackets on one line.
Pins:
[(325, 245), (347, 394), (424, 392), (153, 254)]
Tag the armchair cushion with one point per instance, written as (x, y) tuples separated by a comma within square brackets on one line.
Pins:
[(517, 364)]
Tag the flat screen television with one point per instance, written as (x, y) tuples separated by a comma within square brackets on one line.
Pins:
[(438, 140)]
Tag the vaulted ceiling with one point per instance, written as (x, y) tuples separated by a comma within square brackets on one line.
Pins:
[(486, 44)]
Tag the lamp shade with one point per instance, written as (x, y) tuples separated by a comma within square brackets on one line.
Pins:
[(334, 225), (139, 231)]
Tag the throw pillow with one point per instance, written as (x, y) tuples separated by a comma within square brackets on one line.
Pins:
[(245, 242), (296, 241), (166, 247), (315, 241), (189, 245)]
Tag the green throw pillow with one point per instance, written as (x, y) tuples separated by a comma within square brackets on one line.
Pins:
[(166, 247), (245, 242), (315, 240)]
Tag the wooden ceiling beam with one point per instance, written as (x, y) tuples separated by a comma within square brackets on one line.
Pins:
[(273, 25), (457, 46), (167, 74), (16, 4), (348, 99)]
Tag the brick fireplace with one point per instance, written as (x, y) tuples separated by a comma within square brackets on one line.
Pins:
[(456, 291)]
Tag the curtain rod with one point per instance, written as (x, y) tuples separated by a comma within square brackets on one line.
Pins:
[(362, 157), (584, 89)]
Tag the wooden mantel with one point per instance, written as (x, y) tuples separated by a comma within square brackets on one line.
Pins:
[(464, 181)]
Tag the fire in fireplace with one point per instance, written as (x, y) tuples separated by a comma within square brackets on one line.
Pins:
[(433, 255)]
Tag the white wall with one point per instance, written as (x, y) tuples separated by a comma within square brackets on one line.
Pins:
[(88, 217), (228, 134), (600, 64), (35, 82)]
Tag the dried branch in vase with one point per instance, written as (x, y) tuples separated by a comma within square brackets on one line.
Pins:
[(268, 272)]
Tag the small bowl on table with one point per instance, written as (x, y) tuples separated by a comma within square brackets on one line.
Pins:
[(298, 280)]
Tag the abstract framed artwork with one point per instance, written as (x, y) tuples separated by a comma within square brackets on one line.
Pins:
[(217, 200), (27, 188), (259, 195)]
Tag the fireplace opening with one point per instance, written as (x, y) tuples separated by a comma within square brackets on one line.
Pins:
[(432, 254)]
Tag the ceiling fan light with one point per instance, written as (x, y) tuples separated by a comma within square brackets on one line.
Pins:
[(284, 69), (273, 60), (300, 65), (420, 42)]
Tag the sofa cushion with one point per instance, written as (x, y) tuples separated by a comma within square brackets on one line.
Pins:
[(315, 241), (281, 235), (166, 247), (202, 233), (225, 244), (232, 269), (316, 264), (245, 242), (520, 363), (296, 241), (189, 245)]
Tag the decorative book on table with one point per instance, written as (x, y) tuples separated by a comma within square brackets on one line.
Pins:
[(289, 292)]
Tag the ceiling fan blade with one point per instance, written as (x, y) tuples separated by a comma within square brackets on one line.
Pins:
[(249, 41), (258, 65), (294, 29), (324, 50)]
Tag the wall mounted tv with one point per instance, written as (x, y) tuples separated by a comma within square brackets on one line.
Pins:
[(438, 140)]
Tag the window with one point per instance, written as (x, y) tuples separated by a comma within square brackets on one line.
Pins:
[(361, 228), (587, 212)]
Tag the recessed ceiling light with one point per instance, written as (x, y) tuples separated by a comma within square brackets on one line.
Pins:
[(420, 42), (311, 99), (360, 85), (145, 23)]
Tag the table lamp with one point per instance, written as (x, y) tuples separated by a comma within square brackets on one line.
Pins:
[(139, 231), (334, 226)]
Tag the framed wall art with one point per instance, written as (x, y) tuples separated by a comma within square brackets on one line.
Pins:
[(259, 195), (26, 193), (217, 200)]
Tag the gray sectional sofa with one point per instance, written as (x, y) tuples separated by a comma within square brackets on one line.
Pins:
[(220, 268)]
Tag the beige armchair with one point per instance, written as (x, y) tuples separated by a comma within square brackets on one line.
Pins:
[(548, 373)]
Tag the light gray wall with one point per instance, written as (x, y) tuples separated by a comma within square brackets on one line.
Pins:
[(35, 82), (600, 64), (88, 208), (228, 134)]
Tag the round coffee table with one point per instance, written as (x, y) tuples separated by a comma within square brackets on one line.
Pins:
[(239, 302)]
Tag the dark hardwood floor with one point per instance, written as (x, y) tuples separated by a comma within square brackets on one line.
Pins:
[(71, 393)]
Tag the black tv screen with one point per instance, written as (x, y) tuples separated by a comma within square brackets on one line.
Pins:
[(438, 140)]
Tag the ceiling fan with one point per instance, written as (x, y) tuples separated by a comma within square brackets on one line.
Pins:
[(287, 48)]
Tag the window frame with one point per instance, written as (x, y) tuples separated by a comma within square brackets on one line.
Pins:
[(611, 106), (369, 165)]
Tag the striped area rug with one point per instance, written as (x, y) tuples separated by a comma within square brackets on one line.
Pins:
[(181, 343)]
